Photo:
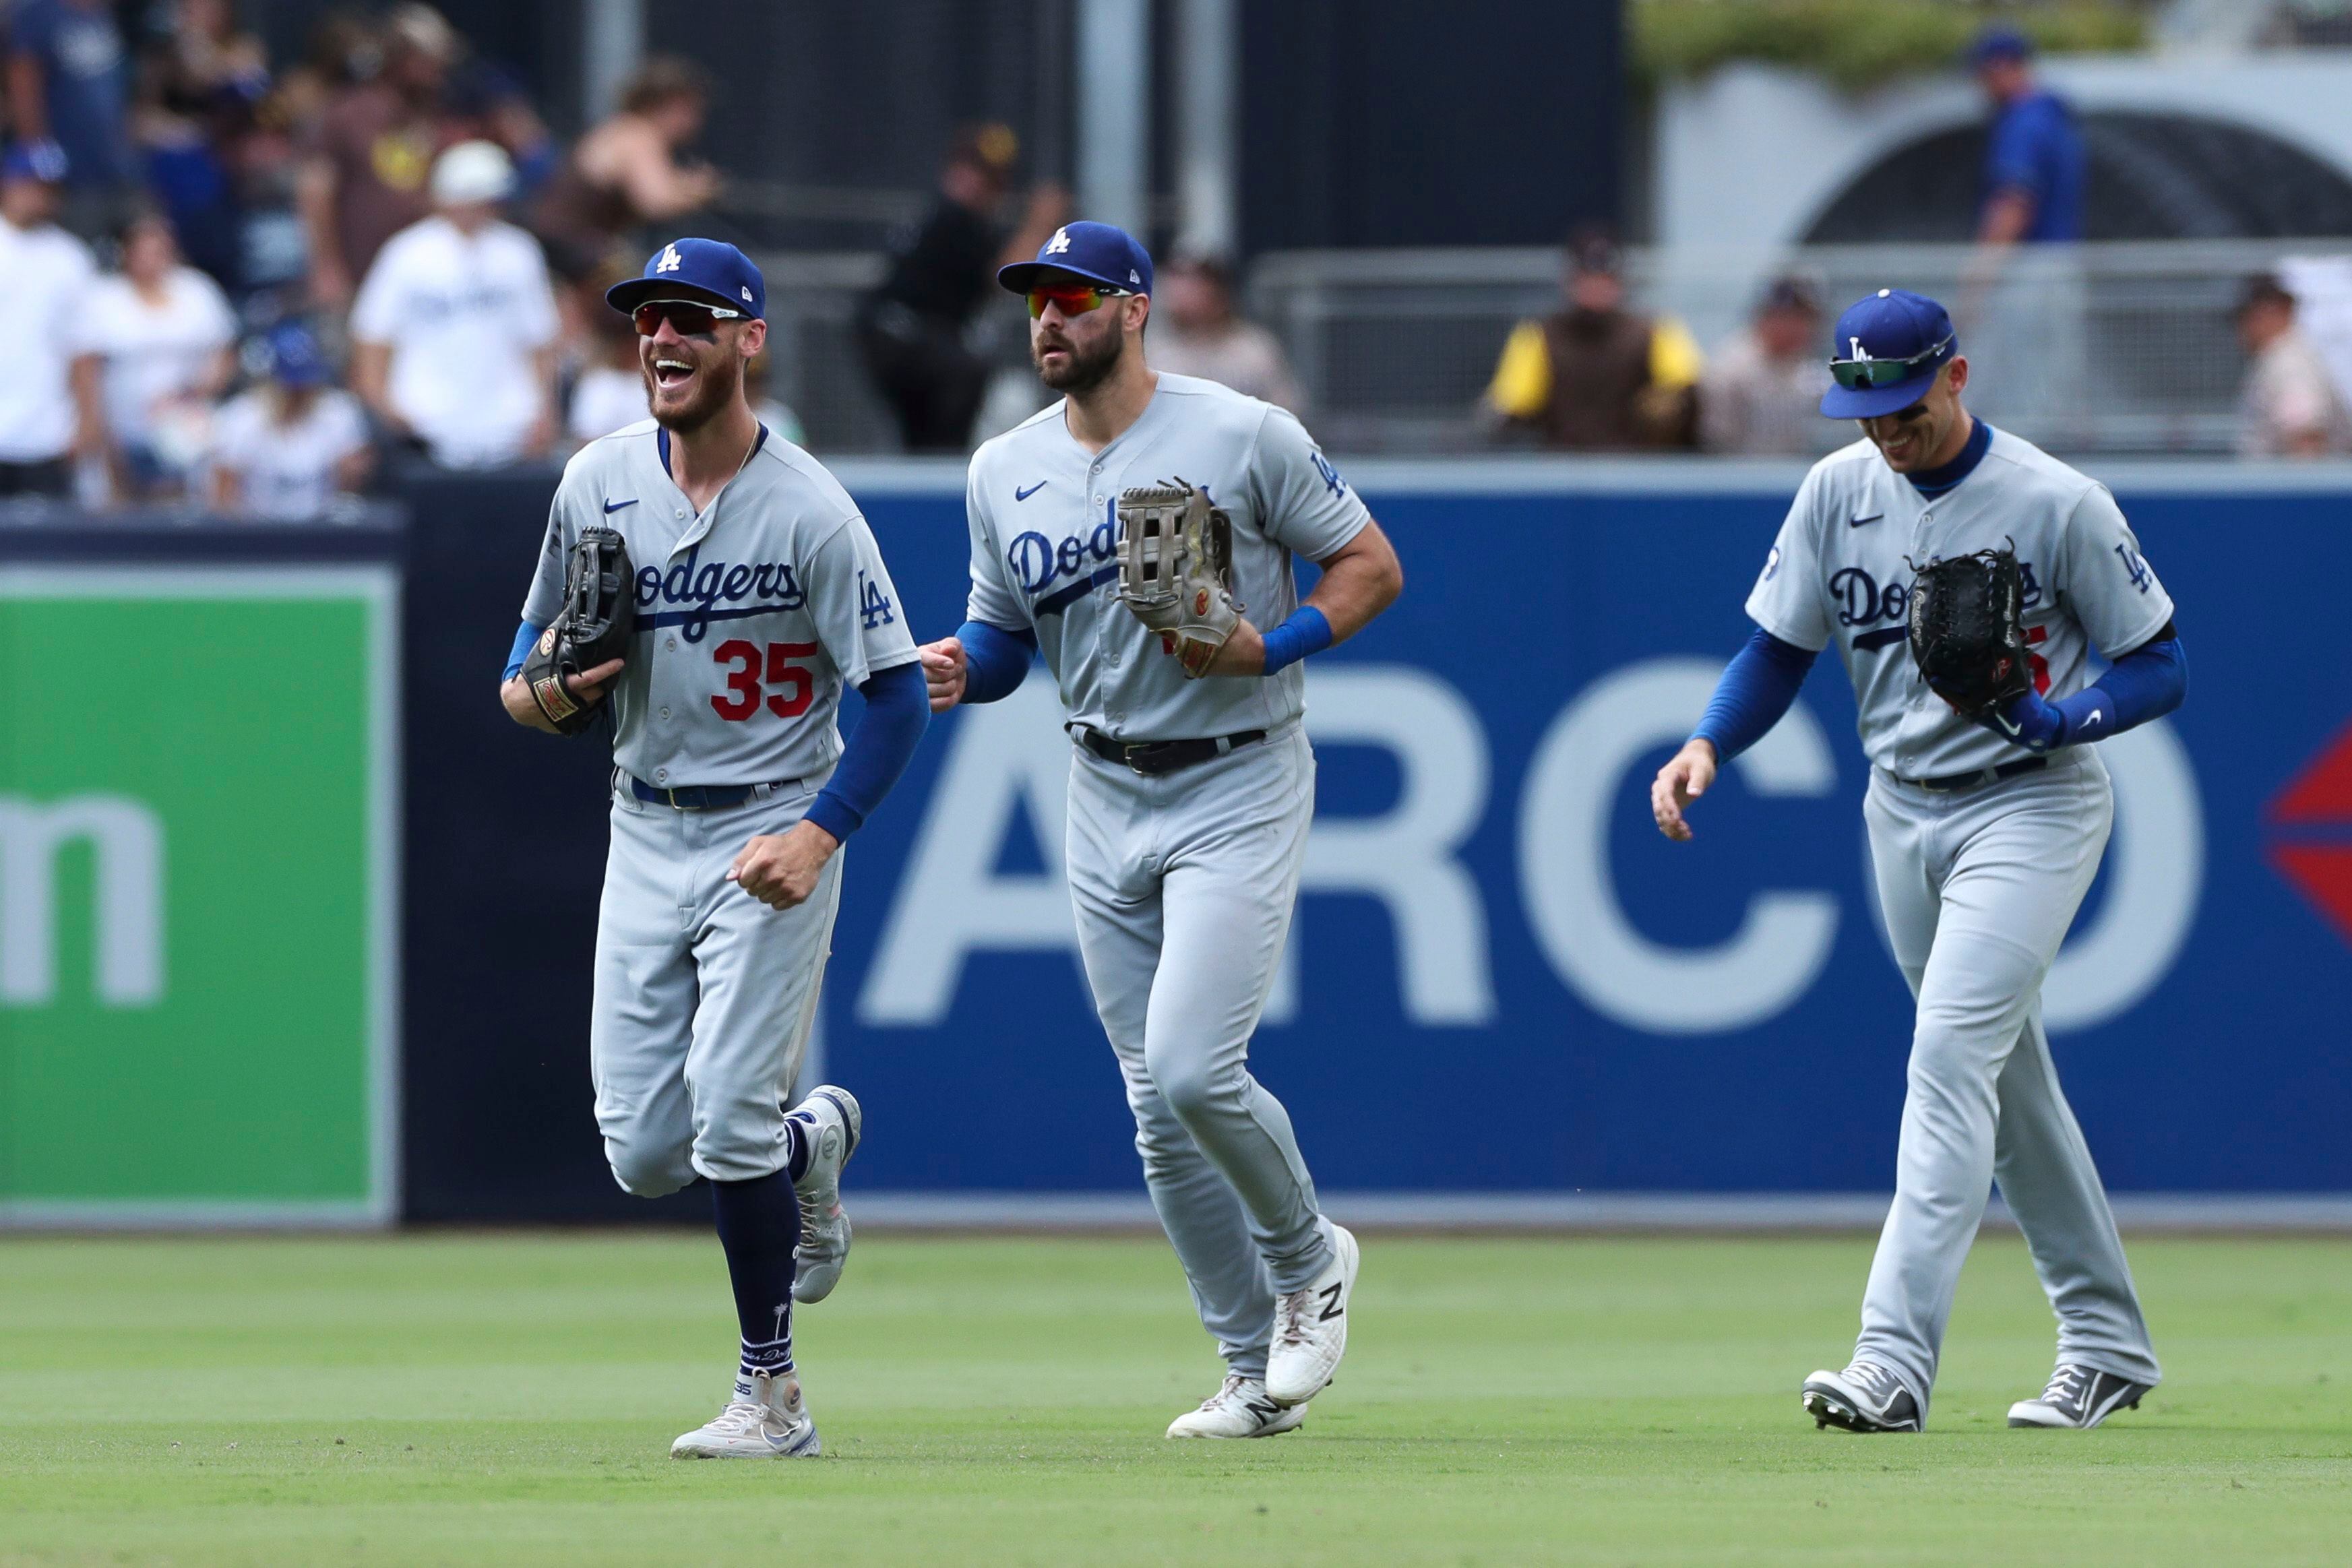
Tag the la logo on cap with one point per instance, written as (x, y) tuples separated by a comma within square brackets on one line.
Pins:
[(670, 260), (1059, 243)]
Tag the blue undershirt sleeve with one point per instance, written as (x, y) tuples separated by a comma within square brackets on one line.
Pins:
[(525, 636), (995, 661), (897, 709), (1757, 688), (2145, 684)]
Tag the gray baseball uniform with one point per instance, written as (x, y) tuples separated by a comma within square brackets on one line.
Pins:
[(1977, 884), (752, 616), (1184, 882)]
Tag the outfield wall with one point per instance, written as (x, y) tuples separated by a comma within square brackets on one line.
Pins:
[(1506, 999)]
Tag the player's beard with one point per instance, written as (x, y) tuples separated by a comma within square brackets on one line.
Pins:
[(1089, 367), (717, 381)]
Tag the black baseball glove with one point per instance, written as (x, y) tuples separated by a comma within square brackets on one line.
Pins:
[(1967, 634), (600, 609)]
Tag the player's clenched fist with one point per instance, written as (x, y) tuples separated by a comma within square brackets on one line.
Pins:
[(780, 870), (943, 672), (1683, 779)]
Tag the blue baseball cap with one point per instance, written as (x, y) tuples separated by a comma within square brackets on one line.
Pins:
[(1889, 346), (705, 270), (1099, 253), (294, 357), (43, 161), (1999, 42)]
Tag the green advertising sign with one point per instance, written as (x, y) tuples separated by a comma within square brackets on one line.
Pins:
[(198, 894)]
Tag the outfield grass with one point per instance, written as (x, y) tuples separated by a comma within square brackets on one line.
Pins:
[(510, 1399)]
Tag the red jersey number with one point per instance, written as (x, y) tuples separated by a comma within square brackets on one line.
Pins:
[(794, 687)]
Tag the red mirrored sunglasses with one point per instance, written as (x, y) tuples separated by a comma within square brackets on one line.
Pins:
[(1075, 300)]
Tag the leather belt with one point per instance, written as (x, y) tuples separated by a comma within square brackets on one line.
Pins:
[(1947, 783), (706, 797), (1152, 758)]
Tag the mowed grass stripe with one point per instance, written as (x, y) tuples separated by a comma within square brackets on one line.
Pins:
[(509, 1399)]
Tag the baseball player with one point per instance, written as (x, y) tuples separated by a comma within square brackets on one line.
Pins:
[(1191, 778), (754, 592), (1986, 827)]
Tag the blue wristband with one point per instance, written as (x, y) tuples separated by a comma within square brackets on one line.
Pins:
[(1306, 632)]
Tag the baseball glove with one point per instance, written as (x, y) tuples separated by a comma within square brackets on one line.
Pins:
[(1966, 633), (600, 606), (1176, 569)]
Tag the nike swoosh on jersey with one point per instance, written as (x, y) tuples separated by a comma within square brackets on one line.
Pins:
[(1857, 522), (612, 507), (2090, 718), (1021, 494)]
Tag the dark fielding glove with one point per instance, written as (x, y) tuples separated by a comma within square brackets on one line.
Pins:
[(1967, 634), (600, 609)]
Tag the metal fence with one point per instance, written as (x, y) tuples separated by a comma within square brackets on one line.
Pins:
[(2114, 349), (2094, 348)]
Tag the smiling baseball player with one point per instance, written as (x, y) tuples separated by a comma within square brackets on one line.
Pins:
[(1966, 577), (1123, 530), (746, 591)]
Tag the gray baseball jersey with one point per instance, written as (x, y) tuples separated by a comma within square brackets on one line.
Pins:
[(1044, 516), (1841, 570), (750, 617)]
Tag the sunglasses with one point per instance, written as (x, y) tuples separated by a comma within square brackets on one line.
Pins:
[(1075, 299), (1854, 375), (690, 319)]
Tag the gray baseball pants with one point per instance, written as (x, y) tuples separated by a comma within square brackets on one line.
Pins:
[(1978, 887), (704, 995), (1184, 885)]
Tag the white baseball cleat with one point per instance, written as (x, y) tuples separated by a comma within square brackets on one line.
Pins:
[(833, 1123), (1310, 1326), (1239, 1409), (765, 1420)]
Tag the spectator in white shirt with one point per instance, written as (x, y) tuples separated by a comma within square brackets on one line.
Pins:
[(50, 408), (289, 448), (1761, 392), (1201, 334), (454, 332), (2289, 406), (163, 332), (609, 393)]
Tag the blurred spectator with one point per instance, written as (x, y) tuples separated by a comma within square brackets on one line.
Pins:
[(454, 332), (768, 410), (1596, 376), (2290, 407), (485, 102), (49, 409), (376, 141), (1762, 392), (609, 392), (911, 327), (625, 175), (68, 84), (2034, 161), (199, 81), (163, 332), (1197, 333), (287, 448)]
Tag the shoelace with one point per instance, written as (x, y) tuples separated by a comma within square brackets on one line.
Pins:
[(2065, 1387), (1233, 1386), (1876, 1381), (743, 1416), (1290, 1316)]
